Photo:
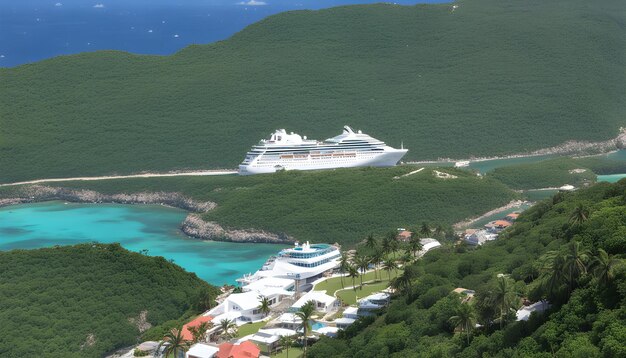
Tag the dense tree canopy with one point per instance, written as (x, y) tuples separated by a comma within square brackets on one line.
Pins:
[(577, 266), (85, 300)]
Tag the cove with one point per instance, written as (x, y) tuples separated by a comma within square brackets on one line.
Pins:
[(135, 227)]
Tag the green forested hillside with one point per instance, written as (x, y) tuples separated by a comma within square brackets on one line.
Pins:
[(487, 77), (327, 206), (569, 250), (76, 301)]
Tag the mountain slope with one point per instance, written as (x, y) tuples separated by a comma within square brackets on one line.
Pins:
[(487, 77)]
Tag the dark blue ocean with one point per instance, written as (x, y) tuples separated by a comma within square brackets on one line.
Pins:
[(32, 30)]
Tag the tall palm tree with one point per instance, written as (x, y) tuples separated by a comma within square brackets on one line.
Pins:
[(343, 266), (264, 305), (199, 332), (306, 312), (176, 346), (505, 297), (579, 215), (552, 268), (464, 319), (286, 342), (425, 229), (389, 265), (415, 245), (377, 257), (370, 242), (603, 267), (362, 263), (403, 282), (228, 328), (353, 273), (439, 231), (387, 244), (406, 258), (575, 263)]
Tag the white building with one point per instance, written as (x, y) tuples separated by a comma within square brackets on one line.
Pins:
[(323, 302), (374, 302), (303, 263), (202, 350)]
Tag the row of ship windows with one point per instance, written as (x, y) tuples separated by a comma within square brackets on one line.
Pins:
[(315, 264)]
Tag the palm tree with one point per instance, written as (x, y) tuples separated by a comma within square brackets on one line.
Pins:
[(228, 328), (389, 265), (199, 331), (176, 344), (575, 263), (406, 258), (343, 266), (377, 257), (552, 273), (505, 296), (387, 244), (362, 263), (425, 229), (353, 273), (305, 314), (403, 282), (603, 267), (465, 319), (264, 305), (579, 215), (370, 242), (415, 244), (439, 231), (286, 342)]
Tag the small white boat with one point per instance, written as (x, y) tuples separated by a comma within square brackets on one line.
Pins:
[(462, 164)]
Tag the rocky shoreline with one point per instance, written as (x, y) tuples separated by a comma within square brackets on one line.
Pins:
[(193, 225), (573, 147)]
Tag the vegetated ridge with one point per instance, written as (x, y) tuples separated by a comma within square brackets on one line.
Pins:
[(473, 78), (341, 205), (568, 250), (89, 299)]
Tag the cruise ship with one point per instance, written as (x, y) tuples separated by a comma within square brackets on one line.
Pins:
[(304, 263), (290, 151)]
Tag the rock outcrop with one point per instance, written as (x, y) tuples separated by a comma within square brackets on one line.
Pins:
[(195, 226)]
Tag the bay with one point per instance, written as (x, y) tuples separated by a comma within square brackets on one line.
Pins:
[(136, 227)]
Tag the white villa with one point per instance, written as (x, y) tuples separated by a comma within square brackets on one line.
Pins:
[(374, 302), (323, 302), (202, 350)]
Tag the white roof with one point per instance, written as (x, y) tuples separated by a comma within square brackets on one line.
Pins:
[(429, 244), (351, 311), (289, 318), (523, 314), (279, 331), (269, 282), (202, 350), (228, 315), (327, 330), (246, 300), (344, 320), (263, 337), (318, 296), (377, 296)]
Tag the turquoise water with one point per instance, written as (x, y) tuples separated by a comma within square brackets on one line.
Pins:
[(611, 178), (135, 227)]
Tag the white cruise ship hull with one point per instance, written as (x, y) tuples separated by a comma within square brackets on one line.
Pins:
[(387, 158)]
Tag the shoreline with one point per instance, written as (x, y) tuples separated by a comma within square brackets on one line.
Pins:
[(573, 148), (193, 225)]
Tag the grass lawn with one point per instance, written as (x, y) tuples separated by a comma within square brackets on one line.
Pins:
[(334, 284), (348, 296), (294, 352), (250, 328)]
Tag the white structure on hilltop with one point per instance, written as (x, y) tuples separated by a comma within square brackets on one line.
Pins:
[(304, 263), (374, 301), (291, 151), (202, 350)]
